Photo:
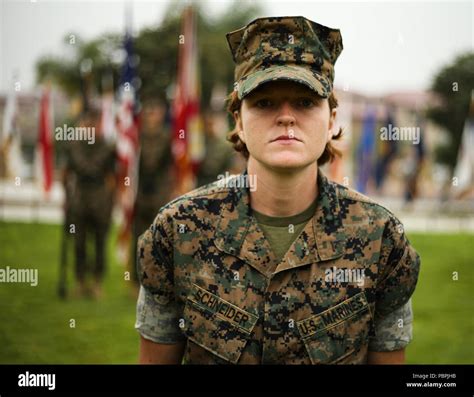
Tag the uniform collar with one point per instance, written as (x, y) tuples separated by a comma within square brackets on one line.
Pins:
[(239, 234)]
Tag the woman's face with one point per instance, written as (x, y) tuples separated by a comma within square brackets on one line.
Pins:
[(285, 124)]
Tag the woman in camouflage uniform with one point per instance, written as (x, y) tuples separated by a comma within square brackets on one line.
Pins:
[(278, 265)]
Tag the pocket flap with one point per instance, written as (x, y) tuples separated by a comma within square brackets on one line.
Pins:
[(217, 325), (337, 332)]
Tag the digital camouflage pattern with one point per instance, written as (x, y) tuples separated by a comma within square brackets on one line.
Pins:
[(206, 258), (154, 323), (290, 48), (394, 331)]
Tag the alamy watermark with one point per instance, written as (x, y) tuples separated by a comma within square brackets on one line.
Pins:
[(37, 380), (14, 275), (68, 133), (343, 275), (391, 133), (238, 181)]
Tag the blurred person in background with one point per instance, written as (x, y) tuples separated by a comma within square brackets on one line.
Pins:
[(91, 166), (219, 154), (154, 172)]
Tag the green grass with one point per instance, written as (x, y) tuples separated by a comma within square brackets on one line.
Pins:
[(34, 323), (443, 308)]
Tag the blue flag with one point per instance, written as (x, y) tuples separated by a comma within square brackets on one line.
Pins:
[(365, 151)]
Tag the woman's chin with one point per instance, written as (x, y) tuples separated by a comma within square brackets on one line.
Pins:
[(284, 160)]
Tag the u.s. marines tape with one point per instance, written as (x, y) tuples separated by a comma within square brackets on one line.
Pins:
[(333, 316)]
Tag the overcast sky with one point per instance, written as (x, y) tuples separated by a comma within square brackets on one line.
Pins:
[(388, 46)]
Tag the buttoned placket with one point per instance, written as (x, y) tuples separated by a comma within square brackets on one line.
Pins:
[(248, 239)]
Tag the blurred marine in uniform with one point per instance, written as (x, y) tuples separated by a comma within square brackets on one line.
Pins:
[(91, 164), (278, 265), (219, 154), (154, 173)]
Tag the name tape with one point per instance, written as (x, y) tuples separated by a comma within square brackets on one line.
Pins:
[(223, 309)]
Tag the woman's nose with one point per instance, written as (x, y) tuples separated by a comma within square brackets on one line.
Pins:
[(285, 116)]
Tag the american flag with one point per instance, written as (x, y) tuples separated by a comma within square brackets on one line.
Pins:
[(127, 149)]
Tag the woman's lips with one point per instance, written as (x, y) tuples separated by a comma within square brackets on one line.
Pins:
[(286, 139)]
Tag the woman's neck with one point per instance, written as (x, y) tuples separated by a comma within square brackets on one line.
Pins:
[(282, 192)]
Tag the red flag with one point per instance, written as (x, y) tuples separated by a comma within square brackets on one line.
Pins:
[(188, 141), (45, 144)]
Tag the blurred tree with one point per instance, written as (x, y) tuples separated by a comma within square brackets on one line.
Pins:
[(102, 55), (157, 49), (453, 84)]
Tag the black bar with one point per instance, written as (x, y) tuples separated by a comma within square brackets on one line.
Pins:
[(138, 379)]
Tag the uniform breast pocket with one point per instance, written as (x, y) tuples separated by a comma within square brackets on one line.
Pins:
[(217, 331), (338, 335)]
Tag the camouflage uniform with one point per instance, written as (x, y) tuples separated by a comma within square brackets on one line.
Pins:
[(209, 276), (92, 202), (215, 281), (218, 160), (154, 180)]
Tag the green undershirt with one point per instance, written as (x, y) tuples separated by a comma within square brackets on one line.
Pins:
[(277, 229)]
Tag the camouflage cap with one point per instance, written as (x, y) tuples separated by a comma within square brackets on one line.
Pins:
[(285, 48)]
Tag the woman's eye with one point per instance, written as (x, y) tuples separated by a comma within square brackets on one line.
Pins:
[(263, 103), (306, 102)]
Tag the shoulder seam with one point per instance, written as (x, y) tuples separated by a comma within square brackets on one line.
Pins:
[(344, 192), (199, 195)]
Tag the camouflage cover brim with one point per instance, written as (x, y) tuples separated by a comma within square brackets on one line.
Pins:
[(299, 74)]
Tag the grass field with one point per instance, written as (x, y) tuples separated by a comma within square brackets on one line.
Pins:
[(443, 308), (35, 324)]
